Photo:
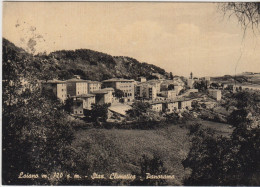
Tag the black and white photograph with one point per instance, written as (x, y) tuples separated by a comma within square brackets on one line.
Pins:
[(130, 93)]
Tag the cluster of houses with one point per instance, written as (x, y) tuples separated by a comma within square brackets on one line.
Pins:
[(163, 95), (84, 93)]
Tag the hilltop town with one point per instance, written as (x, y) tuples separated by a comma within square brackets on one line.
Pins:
[(164, 95), (84, 123)]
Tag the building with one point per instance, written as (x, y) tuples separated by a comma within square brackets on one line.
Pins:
[(88, 100), (146, 91), (104, 96), (141, 79), (207, 80), (190, 83), (216, 94), (156, 106), (77, 107), (184, 104), (117, 112), (56, 87), (127, 86), (158, 75), (93, 86), (110, 95), (169, 94), (76, 87), (156, 84), (170, 106)]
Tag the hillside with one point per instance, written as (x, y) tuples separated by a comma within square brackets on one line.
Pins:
[(89, 64), (245, 79)]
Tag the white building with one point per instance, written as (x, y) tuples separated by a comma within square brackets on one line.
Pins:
[(141, 79), (87, 99), (76, 87), (58, 88), (156, 106), (169, 94), (190, 83), (216, 94), (127, 86), (146, 91)]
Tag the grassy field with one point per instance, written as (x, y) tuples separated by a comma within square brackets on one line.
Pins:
[(220, 128), (118, 150)]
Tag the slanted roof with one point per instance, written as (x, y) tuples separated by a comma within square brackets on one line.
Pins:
[(93, 82), (76, 80), (120, 108), (102, 91), (108, 89), (84, 96), (54, 81), (118, 80)]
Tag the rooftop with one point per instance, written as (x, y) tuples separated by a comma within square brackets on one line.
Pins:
[(93, 82), (119, 80), (54, 81), (76, 80), (108, 89), (102, 91), (120, 108), (84, 96)]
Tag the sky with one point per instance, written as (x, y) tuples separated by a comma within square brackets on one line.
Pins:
[(179, 37)]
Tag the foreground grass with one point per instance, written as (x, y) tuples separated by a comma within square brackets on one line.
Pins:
[(118, 150), (105, 151)]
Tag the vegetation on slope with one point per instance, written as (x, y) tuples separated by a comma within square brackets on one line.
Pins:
[(88, 64)]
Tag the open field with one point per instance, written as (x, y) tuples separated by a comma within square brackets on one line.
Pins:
[(118, 150), (220, 128)]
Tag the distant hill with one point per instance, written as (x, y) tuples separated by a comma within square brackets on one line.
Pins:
[(244, 78), (87, 63)]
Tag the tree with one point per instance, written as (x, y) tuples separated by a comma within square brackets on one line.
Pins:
[(234, 160), (142, 112), (200, 85), (214, 85), (68, 105), (139, 110), (247, 13), (154, 166), (150, 77), (118, 93), (36, 133), (99, 112)]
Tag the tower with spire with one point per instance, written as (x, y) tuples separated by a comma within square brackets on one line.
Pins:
[(190, 81)]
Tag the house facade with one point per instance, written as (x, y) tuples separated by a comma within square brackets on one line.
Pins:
[(146, 91), (157, 106), (56, 87), (76, 87), (216, 94), (93, 86), (87, 99), (127, 86), (104, 96), (169, 94)]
